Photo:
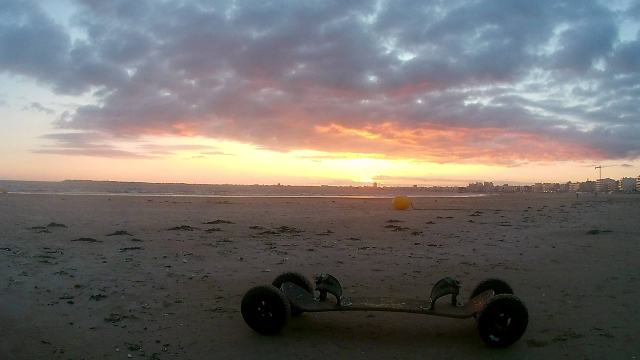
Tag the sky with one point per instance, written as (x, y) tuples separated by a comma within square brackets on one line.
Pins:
[(403, 92)]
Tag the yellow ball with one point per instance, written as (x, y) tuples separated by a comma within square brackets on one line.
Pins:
[(4, 190), (401, 202)]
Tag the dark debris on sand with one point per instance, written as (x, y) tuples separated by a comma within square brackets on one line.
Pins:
[(396, 228), (596, 232), (52, 224), (182, 228), (97, 297), (129, 248), (281, 230), (45, 229), (115, 317), (286, 229), (219, 221), (119, 232), (86, 239)]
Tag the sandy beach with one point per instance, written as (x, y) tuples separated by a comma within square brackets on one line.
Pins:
[(118, 277)]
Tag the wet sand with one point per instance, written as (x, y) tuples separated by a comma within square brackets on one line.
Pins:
[(162, 277)]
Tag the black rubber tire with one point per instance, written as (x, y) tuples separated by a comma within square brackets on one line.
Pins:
[(298, 279), (498, 286), (502, 320), (265, 309)]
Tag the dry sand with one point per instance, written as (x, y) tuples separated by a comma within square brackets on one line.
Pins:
[(175, 294)]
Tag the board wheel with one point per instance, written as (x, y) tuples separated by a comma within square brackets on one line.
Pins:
[(265, 309), (295, 278), (502, 320), (498, 286)]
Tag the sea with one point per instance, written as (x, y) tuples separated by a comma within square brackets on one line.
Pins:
[(119, 188)]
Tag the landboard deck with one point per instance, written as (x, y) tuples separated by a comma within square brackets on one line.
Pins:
[(301, 299)]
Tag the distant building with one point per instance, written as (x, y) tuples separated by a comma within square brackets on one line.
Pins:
[(573, 186), (506, 188), (375, 185), (606, 185), (628, 184), (550, 187), (488, 187), (477, 187), (588, 186)]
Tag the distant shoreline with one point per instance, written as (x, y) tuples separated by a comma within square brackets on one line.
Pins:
[(435, 195), (115, 188)]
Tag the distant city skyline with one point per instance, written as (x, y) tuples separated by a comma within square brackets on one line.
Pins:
[(369, 181), (374, 184)]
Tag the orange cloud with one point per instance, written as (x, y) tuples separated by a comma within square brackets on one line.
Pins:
[(437, 144)]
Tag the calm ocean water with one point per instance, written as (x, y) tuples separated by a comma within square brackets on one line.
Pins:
[(82, 187)]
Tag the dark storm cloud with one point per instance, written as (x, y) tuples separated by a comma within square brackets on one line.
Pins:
[(457, 81), (626, 58), (30, 42)]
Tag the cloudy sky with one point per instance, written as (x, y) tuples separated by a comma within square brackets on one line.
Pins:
[(319, 92)]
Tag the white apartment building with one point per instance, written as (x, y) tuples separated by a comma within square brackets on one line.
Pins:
[(628, 184)]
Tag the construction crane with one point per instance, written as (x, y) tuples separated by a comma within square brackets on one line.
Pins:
[(600, 167)]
